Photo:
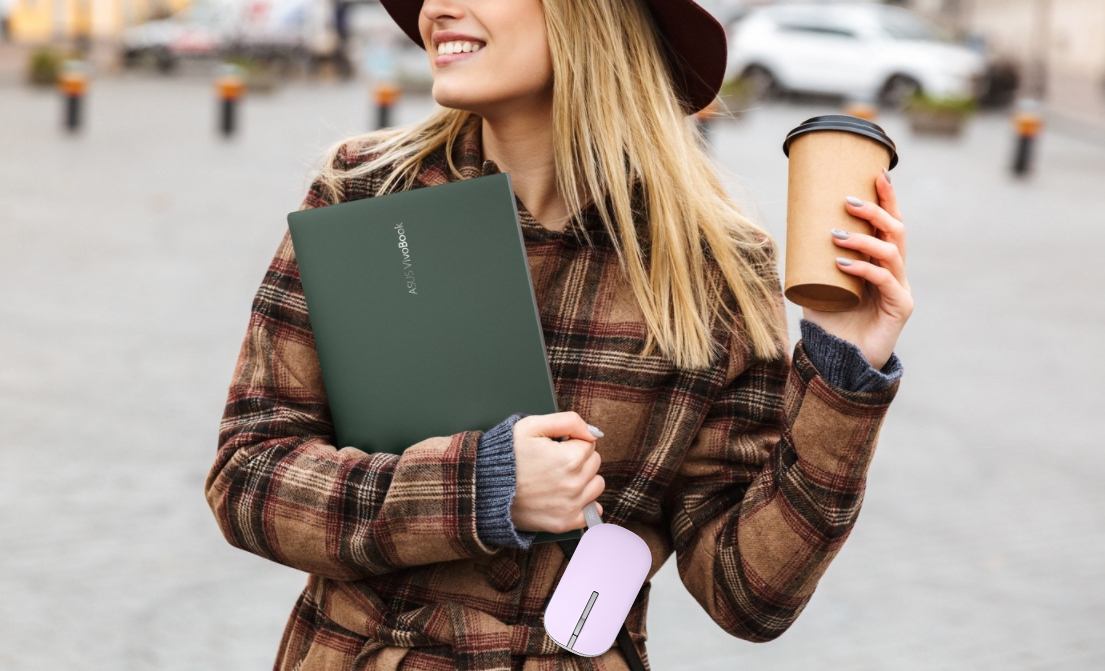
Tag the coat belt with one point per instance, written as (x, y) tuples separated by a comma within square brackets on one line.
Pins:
[(469, 632)]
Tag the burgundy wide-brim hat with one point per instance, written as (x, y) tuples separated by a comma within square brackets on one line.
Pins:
[(696, 44)]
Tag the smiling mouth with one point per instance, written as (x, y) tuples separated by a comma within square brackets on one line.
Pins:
[(458, 47)]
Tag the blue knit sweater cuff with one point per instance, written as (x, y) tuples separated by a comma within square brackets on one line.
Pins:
[(842, 364), (495, 487)]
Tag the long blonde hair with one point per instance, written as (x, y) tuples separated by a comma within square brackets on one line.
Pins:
[(619, 125)]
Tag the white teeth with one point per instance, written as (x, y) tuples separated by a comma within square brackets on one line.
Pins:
[(457, 47)]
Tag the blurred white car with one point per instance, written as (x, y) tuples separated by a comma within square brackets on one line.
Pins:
[(856, 50), (199, 30), (277, 30)]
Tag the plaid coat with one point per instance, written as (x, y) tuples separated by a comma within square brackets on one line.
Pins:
[(752, 473)]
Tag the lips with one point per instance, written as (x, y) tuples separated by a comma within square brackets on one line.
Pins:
[(453, 36), (459, 46), (445, 59), (452, 46)]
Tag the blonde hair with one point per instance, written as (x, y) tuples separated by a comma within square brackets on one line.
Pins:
[(619, 125)]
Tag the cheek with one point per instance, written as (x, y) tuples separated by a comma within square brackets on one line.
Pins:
[(512, 69), (529, 64), (425, 29)]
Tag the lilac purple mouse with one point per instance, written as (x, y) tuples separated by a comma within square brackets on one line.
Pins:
[(598, 587)]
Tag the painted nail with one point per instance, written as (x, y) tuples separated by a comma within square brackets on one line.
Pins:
[(886, 174), (843, 261), (595, 431), (854, 202), (837, 233)]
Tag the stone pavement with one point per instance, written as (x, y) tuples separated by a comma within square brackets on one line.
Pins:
[(129, 260)]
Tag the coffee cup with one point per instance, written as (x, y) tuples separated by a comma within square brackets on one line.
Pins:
[(831, 157)]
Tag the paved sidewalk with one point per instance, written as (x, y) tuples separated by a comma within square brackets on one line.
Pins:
[(131, 254)]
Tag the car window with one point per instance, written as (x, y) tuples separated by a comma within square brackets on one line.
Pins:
[(198, 13), (902, 25), (811, 28)]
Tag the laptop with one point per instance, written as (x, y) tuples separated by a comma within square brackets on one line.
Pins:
[(424, 314)]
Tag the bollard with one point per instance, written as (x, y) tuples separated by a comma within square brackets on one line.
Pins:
[(1027, 122), (862, 108), (73, 82), (230, 85), (705, 120), (387, 94)]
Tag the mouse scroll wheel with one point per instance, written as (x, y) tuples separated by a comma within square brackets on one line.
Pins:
[(582, 619)]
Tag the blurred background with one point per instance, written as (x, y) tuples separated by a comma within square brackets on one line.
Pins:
[(151, 149)]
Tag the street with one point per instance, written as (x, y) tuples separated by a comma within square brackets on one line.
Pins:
[(130, 255)]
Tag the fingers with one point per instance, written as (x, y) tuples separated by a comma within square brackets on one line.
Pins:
[(886, 253), (574, 449), (590, 493), (587, 484), (595, 487), (582, 456), (895, 295), (558, 425), (891, 228), (575, 499), (570, 467), (888, 200), (592, 463), (878, 217)]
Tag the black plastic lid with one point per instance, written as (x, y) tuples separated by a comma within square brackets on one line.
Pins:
[(844, 122)]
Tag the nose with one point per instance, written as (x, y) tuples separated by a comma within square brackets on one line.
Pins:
[(439, 10)]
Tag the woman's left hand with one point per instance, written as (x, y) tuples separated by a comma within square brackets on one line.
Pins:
[(887, 302)]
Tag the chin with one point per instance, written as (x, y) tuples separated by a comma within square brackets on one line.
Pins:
[(448, 98), (459, 94)]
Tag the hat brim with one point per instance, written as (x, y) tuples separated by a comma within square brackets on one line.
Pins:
[(697, 47)]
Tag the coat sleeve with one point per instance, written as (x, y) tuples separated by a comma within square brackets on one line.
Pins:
[(770, 488), (280, 487)]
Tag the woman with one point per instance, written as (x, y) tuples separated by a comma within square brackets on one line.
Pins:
[(665, 329)]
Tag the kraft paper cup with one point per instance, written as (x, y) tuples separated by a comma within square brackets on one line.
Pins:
[(831, 157)]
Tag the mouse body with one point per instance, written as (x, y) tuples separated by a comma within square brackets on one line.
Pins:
[(597, 589)]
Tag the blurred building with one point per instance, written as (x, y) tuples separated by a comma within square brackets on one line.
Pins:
[(36, 21), (1058, 44)]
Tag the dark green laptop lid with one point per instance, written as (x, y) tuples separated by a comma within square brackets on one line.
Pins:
[(423, 313)]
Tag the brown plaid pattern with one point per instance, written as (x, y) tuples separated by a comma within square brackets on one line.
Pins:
[(752, 473)]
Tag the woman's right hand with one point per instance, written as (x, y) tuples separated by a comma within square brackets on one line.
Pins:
[(555, 480)]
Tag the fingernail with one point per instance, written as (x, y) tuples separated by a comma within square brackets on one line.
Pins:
[(837, 233), (855, 202), (886, 174), (595, 431), (843, 261)]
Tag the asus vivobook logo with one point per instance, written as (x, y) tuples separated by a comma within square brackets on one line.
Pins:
[(405, 250)]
